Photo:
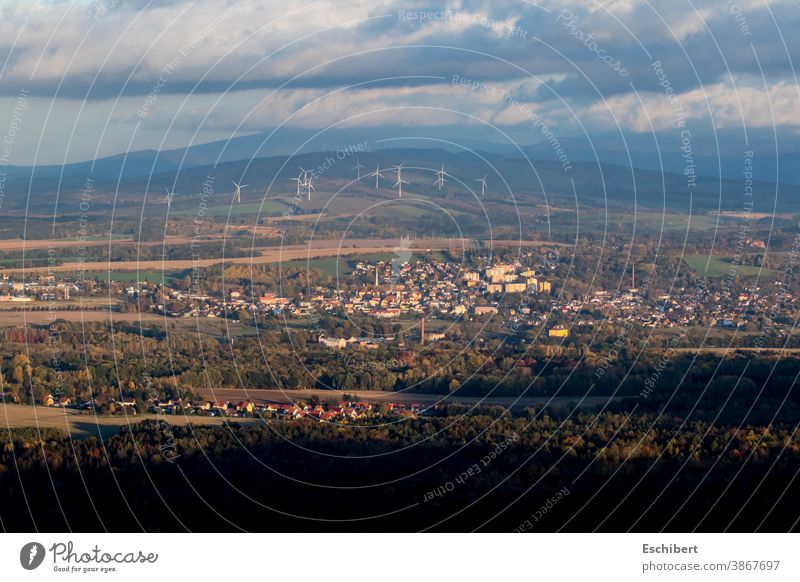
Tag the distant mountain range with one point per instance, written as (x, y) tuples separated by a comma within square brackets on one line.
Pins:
[(641, 151), (526, 170)]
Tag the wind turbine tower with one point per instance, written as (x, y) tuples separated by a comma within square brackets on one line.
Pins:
[(399, 183), (168, 198), (440, 174), (358, 167), (377, 174), (237, 196), (310, 186), (483, 186), (300, 183)]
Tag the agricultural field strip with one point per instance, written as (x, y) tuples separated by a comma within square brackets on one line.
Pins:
[(315, 249)]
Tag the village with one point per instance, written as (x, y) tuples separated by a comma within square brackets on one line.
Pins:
[(342, 411), (726, 308)]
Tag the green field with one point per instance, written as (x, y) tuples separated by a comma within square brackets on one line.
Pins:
[(132, 276), (269, 208), (645, 221), (17, 263), (410, 211), (721, 267), (327, 265), (657, 221)]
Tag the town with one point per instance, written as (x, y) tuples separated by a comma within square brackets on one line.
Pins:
[(519, 294)]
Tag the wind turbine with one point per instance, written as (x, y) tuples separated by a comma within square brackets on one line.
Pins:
[(483, 186), (358, 167), (237, 196), (168, 198), (440, 174), (377, 174), (400, 181), (300, 183), (310, 186)]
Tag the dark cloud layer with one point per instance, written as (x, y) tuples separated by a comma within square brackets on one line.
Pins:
[(578, 64)]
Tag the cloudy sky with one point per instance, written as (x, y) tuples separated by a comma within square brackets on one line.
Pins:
[(80, 79)]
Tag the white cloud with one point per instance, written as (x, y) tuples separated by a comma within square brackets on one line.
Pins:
[(245, 49), (748, 105)]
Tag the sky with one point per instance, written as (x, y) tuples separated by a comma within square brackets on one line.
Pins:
[(80, 79)]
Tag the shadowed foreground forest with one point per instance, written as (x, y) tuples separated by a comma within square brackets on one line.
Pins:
[(486, 470)]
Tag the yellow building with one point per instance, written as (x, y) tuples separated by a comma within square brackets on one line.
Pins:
[(544, 287), (558, 332), (499, 270)]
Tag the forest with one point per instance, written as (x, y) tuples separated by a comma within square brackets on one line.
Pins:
[(460, 470), (81, 361)]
